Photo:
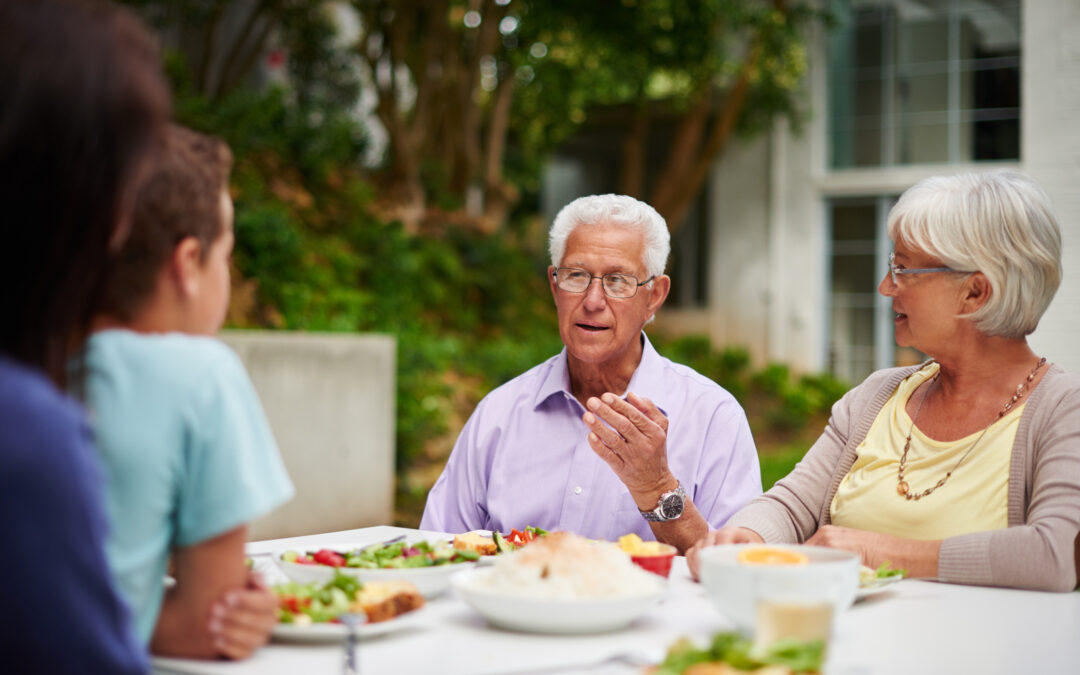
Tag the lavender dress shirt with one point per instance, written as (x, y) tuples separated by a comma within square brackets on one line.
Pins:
[(523, 458)]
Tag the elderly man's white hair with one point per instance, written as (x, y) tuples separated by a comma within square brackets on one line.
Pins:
[(999, 223), (613, 210)]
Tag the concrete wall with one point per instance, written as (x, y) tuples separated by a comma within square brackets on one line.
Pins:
[(330, 400), (1050, 151)]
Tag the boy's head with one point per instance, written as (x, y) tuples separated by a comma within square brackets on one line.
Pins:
[(175, 264)]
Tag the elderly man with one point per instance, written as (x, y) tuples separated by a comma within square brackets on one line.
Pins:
[(559, 446)]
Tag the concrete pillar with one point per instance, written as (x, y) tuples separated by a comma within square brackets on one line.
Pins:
[(330, 399)]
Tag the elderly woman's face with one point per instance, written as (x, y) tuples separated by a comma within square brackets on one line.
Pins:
[(596, 328), (925, 305)]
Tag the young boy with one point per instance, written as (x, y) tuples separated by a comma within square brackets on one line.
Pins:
[(188, 453)]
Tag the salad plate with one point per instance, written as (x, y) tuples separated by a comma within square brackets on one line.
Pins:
[(431, 581), (872, 582), (335, 632), (866, 589)]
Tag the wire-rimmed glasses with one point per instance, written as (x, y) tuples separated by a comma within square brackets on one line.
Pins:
[(615, 284), (894, 269)]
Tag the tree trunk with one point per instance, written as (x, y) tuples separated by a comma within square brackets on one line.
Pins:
[(723, 127), (682, 154), (499, 196), (634, 153)]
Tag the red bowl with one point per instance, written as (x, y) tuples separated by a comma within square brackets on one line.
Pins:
[(657, 564)]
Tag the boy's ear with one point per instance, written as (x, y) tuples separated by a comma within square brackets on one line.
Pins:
[(185, 265)]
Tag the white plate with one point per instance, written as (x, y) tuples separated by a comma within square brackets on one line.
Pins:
[(538, 615), (334, 632), (875, 587), (430, 581)]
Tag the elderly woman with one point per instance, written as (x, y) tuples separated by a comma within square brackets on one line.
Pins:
[(967, 468)]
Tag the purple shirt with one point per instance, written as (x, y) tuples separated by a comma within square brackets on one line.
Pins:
[(523, 458)]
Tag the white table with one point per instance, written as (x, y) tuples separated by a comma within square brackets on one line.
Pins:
[(915, 627)]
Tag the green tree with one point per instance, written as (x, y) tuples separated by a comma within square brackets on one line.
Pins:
[(461, 81)]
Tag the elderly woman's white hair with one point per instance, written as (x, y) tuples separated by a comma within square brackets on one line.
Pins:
[(999, 223), (613, 210)]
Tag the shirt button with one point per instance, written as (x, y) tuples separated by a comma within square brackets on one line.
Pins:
[(577, 490)]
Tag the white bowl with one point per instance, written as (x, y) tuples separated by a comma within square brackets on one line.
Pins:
[(430, 581), (543, 615), (831, 575)]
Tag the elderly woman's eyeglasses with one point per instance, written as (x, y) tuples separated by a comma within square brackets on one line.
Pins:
[(615, 285), (894, 269)]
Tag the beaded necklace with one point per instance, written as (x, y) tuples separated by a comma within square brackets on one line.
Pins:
[(902, 487)]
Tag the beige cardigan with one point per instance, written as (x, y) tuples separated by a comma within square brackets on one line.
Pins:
[(1036, 550)]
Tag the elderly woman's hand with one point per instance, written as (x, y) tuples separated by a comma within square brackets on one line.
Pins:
[(634, 445), (725, 535), (918, 557)]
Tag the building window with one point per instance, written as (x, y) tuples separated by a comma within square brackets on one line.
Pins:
[(927, 81), (861, 336), (855, 317)]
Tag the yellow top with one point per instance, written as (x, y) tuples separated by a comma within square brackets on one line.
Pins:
[(974, 499)]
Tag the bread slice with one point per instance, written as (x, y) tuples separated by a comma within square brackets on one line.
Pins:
[(384, 600), (474, 541)]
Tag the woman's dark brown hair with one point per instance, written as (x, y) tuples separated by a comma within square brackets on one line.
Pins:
[(180, 198), (82, 104)]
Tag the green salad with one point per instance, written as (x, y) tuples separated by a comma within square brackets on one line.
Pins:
[(304, 604), (868, 576), (399, 554), (739, 653)]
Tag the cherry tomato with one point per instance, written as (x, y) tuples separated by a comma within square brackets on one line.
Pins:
[(328, 557)]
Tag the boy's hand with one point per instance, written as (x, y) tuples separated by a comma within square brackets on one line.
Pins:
[(241, 621)]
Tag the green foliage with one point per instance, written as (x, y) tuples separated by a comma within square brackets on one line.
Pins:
[(783, 402), (728, 367)]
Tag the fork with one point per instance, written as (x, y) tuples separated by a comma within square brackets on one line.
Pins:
[(351, 621)]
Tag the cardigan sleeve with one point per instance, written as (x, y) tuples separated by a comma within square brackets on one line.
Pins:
[(789, 512), (793, 509), (1038, 554)]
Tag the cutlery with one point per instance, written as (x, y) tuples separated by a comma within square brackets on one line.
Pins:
[(351, 621), (395, 540)]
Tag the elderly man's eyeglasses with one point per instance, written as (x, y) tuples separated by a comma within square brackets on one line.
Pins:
[(615, 285), (895, 269)]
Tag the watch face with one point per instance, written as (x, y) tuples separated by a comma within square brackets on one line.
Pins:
[(672, 506)]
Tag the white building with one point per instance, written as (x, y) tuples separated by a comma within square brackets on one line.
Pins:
[(792, 241)]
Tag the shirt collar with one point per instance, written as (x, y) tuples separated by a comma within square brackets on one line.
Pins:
[(647, 380)]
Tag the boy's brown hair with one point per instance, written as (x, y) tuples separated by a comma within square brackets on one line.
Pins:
[(181, 198)]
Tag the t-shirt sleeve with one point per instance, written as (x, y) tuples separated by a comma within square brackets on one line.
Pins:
[(233, 470)]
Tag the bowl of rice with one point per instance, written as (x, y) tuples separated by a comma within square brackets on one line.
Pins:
[(562, 583)]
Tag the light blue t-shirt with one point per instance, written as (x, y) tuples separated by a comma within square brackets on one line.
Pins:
[(188, 453)]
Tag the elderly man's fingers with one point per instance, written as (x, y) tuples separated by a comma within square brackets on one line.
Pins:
[(611, 435), (649, 409), (633, 412), (614, 460), (619, 419)]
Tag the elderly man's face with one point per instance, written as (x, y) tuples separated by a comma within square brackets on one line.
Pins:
[(595, 328)]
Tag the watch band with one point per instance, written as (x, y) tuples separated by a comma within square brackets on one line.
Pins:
[(669, 507)]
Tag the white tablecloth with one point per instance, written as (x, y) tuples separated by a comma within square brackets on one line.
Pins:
[(914, 628)]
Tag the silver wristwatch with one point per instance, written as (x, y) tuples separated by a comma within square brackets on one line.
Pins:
[(669, 507)]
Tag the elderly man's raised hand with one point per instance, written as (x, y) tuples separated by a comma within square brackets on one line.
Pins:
[(633, 443)]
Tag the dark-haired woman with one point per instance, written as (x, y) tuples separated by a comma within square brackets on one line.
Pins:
[(82, 105)]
